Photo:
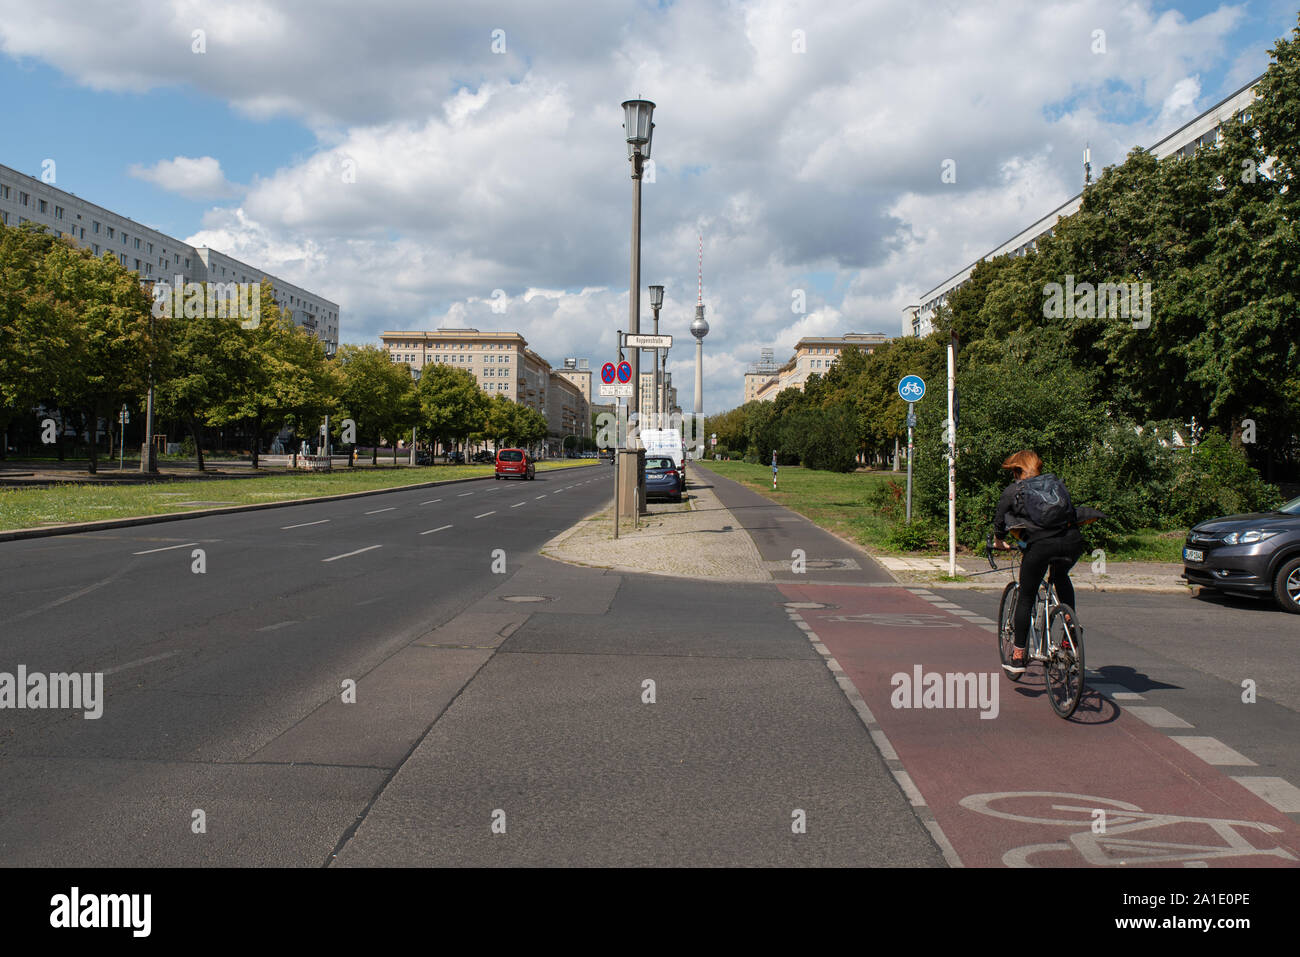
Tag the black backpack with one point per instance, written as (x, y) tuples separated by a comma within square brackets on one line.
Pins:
[(1045, 501)]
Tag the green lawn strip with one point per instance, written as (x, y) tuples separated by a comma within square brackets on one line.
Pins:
[(72, 503), (837, 502)]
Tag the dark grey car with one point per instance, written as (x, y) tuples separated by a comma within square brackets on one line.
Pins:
[(1256, 555)]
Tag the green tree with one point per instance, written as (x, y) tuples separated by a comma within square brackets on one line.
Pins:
[(451, 404), (377, 394)]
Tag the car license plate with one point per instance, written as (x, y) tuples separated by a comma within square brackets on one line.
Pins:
[(1193, 555)]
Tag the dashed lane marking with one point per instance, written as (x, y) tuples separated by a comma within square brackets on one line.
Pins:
[(431, 501), (166, 549), (518, 504), (378, 510), (1212, 750), (1279, 792), (285, 528), (368, 548), (440, 528), (1157, 717), (486, 514)]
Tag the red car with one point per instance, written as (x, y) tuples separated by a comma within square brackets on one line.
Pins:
[(515, 463)]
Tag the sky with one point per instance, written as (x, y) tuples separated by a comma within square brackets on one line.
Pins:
[(421, 163)]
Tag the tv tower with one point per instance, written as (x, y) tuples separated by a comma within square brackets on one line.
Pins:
[(699, 329)]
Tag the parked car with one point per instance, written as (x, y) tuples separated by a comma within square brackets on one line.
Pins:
[(483, 456), (1257, 555), (662, 478), (515, 463), (423, 457)]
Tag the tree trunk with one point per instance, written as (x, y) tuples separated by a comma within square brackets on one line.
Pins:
[(198, 440), (93, 467), (257, 439), (374, 452)]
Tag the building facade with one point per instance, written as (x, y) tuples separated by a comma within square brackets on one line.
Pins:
[(153, 256), (1184, 141), (502, 364), (813, 355)]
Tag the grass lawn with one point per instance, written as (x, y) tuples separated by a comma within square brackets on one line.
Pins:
[(60, 505), (837, 502)]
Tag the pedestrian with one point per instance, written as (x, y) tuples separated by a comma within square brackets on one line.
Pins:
[(774, 470)]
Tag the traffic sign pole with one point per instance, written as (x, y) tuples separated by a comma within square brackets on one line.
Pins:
[(911, 419)]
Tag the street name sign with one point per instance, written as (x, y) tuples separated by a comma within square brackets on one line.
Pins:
[(648, 342)]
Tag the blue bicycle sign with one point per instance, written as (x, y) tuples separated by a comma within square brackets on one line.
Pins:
[(911, 388)]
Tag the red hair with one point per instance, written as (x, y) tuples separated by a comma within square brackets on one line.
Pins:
[(1026, 464)]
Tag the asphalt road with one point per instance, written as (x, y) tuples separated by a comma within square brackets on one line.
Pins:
[(402, 680), (224, 738)]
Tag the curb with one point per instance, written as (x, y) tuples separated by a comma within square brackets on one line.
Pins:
[(25, 533)]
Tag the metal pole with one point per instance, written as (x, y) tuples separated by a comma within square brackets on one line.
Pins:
[(952, 464), (656, 401), (618, 427), (121, 445), (634, 292), (911, 407)]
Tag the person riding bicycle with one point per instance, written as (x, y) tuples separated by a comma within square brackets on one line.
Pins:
[(1039, 509)]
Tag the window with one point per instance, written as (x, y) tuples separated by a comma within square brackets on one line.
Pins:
[(151, 249), (44, 205), (22, 198), (137, 243), (124, 239), (58, 212), (94, 227), (96, 249), (4, 192)]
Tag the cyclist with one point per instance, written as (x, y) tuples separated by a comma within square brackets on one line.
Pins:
[(1041, 513)]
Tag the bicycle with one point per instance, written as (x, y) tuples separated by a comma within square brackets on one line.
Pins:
[(1055, 637)]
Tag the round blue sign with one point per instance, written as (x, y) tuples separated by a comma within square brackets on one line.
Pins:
[(607, 373), (624, 371), (911, 388)]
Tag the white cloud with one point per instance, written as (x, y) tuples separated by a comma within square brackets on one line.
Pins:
[(471, 171), (191, 177)]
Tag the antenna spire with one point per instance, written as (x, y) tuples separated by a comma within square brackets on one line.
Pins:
[(699, 299)]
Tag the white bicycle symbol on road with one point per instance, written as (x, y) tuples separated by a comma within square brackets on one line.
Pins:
[(1112, 847)]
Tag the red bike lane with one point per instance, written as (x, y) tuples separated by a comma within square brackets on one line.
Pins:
[(1018, 786)]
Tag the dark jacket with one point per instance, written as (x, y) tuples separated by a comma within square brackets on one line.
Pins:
[(1008, 517)]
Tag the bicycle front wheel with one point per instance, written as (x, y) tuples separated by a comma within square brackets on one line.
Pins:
[(1065, 662), (1007, 626)]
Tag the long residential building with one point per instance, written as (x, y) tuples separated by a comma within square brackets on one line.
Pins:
[(1184, 141), (813, 355), (154, 256), (503, 364)]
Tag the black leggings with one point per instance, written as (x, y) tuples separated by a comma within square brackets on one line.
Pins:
[(1060, 557)]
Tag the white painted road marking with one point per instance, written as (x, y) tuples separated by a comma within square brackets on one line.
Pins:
[(280, 624), (285, 528), (142, 661), (369, 548), (486, 514), (167, 549), (438, 529), (1279, 792), (431, 501), (378, 510), (463, 494), (1158, 717), (517, 504), (543, 495), (1212, 750)]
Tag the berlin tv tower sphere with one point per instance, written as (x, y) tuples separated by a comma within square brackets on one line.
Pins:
[(700, 327)]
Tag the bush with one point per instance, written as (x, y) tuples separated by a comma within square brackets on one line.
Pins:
[(187, 446), (1214, 480), (918, 536)]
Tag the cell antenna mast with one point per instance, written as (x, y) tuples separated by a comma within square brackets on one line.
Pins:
[(699, 296)]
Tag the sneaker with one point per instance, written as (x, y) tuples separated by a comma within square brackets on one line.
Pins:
[(1016, 666)]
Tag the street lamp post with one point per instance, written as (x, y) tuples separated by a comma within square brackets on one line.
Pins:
[(656, 300), (637, 123)]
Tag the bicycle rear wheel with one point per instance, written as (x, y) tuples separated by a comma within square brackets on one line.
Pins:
[(1007, 626), (1064, 665)]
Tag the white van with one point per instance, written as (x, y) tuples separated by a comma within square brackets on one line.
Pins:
[(667, 442)]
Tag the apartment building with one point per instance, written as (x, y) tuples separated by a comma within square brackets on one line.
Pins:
[(647, 397), (1184, 141), (502, 364), (154, 256), (813, 355)]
